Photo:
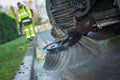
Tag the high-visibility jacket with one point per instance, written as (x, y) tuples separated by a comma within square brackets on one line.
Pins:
[(24, 13)]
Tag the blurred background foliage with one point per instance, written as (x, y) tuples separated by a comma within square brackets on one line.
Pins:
[(8, 28), (12, 13), (37, 21)]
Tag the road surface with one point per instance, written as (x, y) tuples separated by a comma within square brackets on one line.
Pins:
[(105, 66)]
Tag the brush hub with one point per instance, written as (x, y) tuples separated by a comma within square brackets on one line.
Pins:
[(53, 46)]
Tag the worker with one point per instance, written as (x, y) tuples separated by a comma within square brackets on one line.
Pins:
[(25, 16)]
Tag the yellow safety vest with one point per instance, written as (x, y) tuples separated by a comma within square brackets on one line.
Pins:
[(24, 13)]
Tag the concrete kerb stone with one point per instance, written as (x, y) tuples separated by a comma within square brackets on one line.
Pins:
[(26, 71)]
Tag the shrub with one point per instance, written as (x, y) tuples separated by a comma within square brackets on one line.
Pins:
[(8, 28), (12, 12), (37, 21)]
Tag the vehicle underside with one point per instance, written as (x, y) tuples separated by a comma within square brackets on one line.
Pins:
[(83, 16)]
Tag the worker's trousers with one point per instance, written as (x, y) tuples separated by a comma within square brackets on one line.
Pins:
[(29, 31)]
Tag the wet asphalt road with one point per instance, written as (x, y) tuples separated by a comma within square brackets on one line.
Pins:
[(105, 66)]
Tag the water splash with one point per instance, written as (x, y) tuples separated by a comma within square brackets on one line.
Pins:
[(72, 57)]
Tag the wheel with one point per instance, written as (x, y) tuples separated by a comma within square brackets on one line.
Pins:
[(56, 31)]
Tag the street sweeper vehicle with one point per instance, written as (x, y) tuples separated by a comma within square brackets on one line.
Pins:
[(71, 21), (83, 15)]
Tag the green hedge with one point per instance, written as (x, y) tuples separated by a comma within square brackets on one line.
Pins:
[(8, 28)]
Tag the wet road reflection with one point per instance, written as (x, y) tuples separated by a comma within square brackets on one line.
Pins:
[(105, 66)]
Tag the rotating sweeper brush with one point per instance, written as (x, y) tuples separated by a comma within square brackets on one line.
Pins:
[(68, 53)]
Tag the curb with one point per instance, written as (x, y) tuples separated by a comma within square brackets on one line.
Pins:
[(26, 71)]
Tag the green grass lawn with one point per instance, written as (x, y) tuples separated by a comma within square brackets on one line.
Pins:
[(11, 56)]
